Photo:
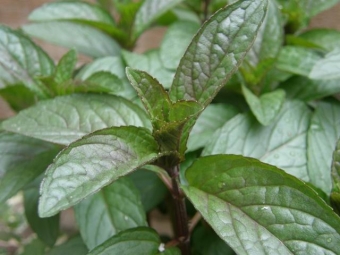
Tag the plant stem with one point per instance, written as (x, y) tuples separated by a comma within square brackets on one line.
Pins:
[(181, 217)]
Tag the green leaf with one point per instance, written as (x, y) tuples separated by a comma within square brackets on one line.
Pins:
[(65, 119), (18, 97), (150, 187), (47, 229), (119, 207), (74, 246), (151, 63), (148, 12), (168, 251), (259, 209), (327, 68), (175, 41), (65, 67), (282, 143), (336, 168), (329, 39), (93, 162), (206, 242), (267, 106), (212, 118), (22, 159), (299, 87), (22, 61), (83, 38), (140, 240), (297, 60), (35, 247), (152, 94), (105, 82), (323, 133), (217, 50)]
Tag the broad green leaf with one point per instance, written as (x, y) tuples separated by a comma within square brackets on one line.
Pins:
[(35, 247), (105, 82), (74, 246), (151, 63), (119, 207), (282, 143), (323, 133), (47, 229), (259, 209), (327, 68), (212, 118), (176, 40), (206, 242), (22, 159), (299, 87), (150, 187), (65, 67), (93, 162), (336, 168), (148, 12), (329, 39), (152, 94), (168, 251), (217, 50), (22, 61), (267, 106), (65, 119), (83, 38), (18, 97), (140, 240), (267, 44), (297, 60)]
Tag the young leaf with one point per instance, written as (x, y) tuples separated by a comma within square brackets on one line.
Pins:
[(282, 143), (93, 162), (327, 68), (83, 38), (217, 50), (323, 133), (176, 39), (22, 159), (266, 107), (47, 229), (65, 119), (212, 118), (140, 240), (22, 61), (152, 94), (148, 12), (65, 67), (259, 209), (297, 60), (119, 207), (74, 246)]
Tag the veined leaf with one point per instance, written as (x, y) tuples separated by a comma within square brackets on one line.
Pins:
[(83, 38), (47, 229), (259, 209), (282, 143), (22, 159), (65, 119), (327, 68), (297, 60), (93, 162), (74, 246), (115, 208), (323, 133), (212, 118), (140, 240), (148, 12), (267, 106), (65, 67), (22, 61), (217, 50)]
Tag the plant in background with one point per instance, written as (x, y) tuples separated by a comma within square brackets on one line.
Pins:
[(237, 136)]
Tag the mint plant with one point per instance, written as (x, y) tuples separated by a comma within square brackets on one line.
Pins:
[(234, 123)]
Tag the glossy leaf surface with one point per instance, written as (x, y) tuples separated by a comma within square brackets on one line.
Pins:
[(259, 209), (115, 208), (63, 120), (216, 51), (282, 143), (93, 162), (323, 133)]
